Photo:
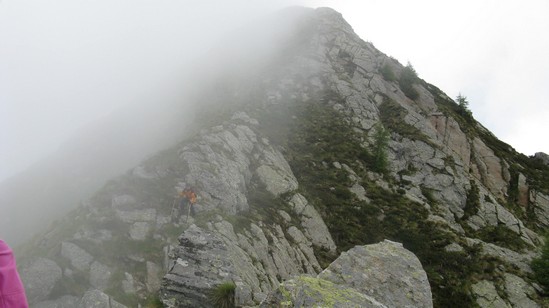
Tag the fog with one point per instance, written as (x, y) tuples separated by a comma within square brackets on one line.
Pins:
[(66, 63), (88, 89)]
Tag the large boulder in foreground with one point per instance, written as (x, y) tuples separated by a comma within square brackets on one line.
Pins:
[(379, 275), (305, 291)]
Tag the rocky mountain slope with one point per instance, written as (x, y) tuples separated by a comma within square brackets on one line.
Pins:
[(300, 169)]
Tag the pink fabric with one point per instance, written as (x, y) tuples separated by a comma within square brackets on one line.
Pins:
[(12, 293)]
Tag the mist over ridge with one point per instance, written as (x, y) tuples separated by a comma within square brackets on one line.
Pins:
[(157, 115)]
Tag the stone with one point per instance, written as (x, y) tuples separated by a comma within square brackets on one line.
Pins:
[(359, 192), (543, 157), (66, 301), (153, 277), (541, 207), (200, 262), (518, 292), (255, 259), (138, 215), (96, 236), (39, 278), (242, 116), (79, 258), (142, 172), (385, 271), (305, 291), (275, 181), (314, 227), (523, 190), (98, 299), (287, 218), (486, 295), (521, 261), (139, 231), (100, 275), (220, 165), (123, 202), (490, 169), (454, 247), (128, 284)]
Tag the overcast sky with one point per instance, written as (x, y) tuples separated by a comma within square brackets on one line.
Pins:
[(66, 63)]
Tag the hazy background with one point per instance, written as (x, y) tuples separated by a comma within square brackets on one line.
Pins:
[(67, 63), (93, 92)]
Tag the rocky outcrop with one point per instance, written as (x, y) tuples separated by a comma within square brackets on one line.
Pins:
[(543, 157), (378, 275), (256, 255), (256, 259)]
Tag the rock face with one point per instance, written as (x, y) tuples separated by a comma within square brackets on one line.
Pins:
[(378, 275), (255, 259), (287, 169)]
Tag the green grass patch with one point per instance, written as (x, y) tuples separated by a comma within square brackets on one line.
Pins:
[(222, 295)]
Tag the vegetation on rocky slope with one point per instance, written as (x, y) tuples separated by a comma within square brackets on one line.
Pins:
[(533, 169), (319, 139), (540, 266)]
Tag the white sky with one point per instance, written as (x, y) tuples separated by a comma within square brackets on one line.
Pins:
[(66, 63)]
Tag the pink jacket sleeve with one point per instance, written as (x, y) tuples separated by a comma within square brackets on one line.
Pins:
[(12, 293)]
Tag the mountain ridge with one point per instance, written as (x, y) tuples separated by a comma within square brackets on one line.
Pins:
[(300, 151)]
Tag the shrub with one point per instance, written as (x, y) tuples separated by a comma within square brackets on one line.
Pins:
[(463, 109), (387, 73), (502, 236), (540, 266), (472, 204), (154, 302), (408, 77), (222, 295), (381, 139)]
